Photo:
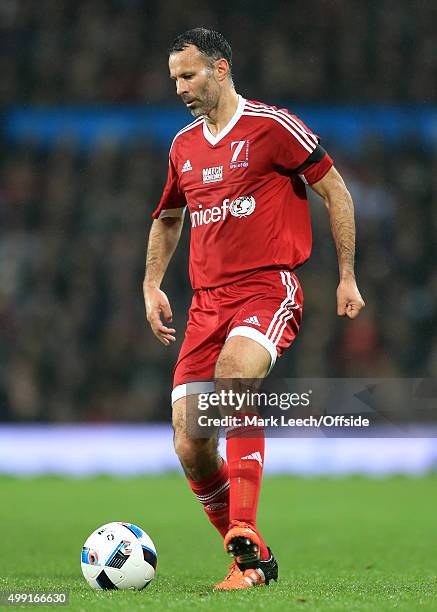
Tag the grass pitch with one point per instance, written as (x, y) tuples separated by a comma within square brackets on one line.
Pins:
[(343, 544)]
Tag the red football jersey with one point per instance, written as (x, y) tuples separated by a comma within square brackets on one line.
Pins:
[(247, 203)]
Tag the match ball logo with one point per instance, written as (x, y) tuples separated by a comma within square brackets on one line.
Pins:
[(242, 206), (126, 547)]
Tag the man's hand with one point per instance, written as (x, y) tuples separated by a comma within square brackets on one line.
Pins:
[(349, 300), (156, 304)]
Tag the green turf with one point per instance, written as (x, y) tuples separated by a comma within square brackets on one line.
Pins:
[(346, 544)]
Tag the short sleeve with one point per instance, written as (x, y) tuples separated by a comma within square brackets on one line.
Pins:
[(297, 149), (172, 202)]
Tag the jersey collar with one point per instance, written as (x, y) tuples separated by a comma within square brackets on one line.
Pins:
[(215, 139)]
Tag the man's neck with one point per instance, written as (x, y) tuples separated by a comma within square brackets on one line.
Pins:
[(220, 116)]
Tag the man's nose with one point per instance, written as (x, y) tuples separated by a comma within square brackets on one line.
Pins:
[(181, 87)]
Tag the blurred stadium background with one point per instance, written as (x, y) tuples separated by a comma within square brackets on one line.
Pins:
[(88, 114)]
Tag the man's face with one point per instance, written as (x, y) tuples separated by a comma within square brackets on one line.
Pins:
[(195, 80)]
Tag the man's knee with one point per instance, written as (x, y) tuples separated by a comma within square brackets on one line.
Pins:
[(191, 451), (185, 448)]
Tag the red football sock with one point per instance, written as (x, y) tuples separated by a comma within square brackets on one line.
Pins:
[(213, 494), (245, 455)]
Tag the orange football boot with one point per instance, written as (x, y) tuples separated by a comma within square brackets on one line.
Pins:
[(237, 580), (243, 543), (263, 573)]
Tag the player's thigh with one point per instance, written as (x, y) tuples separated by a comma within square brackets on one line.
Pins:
[(265, 324), (242, 357)]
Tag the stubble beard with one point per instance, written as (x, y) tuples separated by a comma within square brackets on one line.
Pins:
[(197, 112), (207, 101)]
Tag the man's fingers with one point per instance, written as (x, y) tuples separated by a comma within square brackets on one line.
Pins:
[(158, 326), (169, 335), (163, 333), (350, 310), (349, 301), (162, 329), (166, 339), (353, 309), (166, 311)]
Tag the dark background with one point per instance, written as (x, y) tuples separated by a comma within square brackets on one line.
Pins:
[(74, 343)]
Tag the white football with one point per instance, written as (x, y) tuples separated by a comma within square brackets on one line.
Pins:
[(119, 556)]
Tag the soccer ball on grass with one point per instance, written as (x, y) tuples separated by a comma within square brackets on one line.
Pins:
[(118, 556)]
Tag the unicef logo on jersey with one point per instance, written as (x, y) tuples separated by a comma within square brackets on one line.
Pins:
[(242, 206)]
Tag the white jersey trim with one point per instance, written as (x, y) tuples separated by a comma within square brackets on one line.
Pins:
[(225, 131), (285, 310), (270, 115), (292, 121)]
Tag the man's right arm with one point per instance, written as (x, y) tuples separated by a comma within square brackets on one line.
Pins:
[(163, 239)]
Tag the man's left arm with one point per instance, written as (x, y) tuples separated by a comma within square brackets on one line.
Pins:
[(341, 215)]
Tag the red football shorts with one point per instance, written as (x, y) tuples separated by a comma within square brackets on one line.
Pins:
[(265, 306)]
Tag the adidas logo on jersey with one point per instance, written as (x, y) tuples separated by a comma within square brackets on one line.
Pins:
[(187, 166), (253, 320), (255, 456)]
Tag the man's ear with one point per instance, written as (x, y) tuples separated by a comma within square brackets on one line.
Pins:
[(221, 69)]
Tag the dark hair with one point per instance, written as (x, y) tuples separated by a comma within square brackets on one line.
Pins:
[(210, 43)]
